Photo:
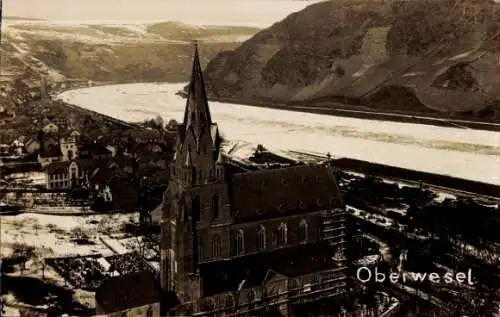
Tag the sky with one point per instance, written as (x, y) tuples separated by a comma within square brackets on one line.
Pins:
[(260, 13)]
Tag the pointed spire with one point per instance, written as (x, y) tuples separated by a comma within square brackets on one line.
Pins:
[(188, 162), (220, 158), (197, 113)]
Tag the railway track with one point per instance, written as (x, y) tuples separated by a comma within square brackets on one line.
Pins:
[(311, 157), (114, 120)]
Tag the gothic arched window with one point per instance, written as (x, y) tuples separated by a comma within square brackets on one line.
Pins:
[(201, 247), (238, 243), (293, 286), (215, 206), (216, 246), (303, 231), (196, 208), (315, 283), (282, 234), (193, 175), (229, 301), (261, 238), (251, 299)]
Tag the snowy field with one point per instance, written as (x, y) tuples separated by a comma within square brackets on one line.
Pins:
[(464, 153), (52, 233)]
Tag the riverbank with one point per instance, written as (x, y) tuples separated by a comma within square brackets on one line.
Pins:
[(353, 111), (443, 181)]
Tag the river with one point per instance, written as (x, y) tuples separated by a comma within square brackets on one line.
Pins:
[(463, 153)]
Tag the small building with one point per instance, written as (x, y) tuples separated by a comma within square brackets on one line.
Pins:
[(96, 151), (68, 174), (32, 145), (49, 141), (6, 116), (135, 294), (49, 154), (157, 214), (50, 128), (69, 147)]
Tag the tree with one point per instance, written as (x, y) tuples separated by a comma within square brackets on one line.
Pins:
[(172, 124), (259, 152), (158, 120), (37, 227), (23, 252)]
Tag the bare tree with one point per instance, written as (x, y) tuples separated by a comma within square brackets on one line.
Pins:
[(36, 226), (23, 252)]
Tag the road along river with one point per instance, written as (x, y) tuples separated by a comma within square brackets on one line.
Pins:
[(462, 153)]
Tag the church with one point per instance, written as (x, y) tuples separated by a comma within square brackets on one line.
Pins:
[(251, 242)]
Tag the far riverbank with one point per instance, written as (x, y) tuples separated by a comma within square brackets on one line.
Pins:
[(352, 111)]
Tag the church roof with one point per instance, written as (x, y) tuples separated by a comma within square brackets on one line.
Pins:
[(51, 151), (274, 192)]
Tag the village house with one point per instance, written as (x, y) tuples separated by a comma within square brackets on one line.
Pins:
[(17, 146), (96, 151), (69, 145), (53, 149), (135, 294), (50, 128), (6, 116), (48, 141), (50, 154), (100, 178), (32, 145), (65, 175)]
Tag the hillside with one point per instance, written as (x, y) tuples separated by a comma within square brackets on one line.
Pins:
[(69, 55), (65, 52), (430, 56)]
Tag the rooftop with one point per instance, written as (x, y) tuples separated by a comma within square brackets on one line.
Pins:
[(128, 291), (292, 189)]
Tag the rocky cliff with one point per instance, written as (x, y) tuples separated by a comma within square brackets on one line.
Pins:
[(417, 56)]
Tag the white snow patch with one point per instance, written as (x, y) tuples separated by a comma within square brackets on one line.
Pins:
[(21, 229), (412, 146)]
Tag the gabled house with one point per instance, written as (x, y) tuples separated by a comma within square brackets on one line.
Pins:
[(48, 141), (135, 294), (6, 116), (96, 151), (50, 128), (49, 155), (68, 174), (32, 145), (69, 146)]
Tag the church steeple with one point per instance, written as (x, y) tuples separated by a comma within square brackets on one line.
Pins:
[(197, 114)]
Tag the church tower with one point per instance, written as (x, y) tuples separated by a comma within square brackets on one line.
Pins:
[(195, 173)]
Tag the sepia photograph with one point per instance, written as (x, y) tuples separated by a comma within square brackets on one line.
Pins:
[(250, 158)]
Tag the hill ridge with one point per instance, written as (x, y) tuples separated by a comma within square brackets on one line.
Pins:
[(425, 56)]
